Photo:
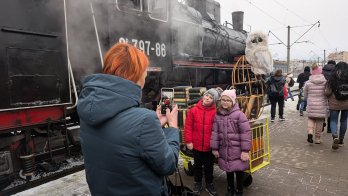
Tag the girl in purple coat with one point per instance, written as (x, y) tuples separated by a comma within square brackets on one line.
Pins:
[(231, 140)]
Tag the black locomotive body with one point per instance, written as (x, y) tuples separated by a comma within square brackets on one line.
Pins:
[(47, 47)]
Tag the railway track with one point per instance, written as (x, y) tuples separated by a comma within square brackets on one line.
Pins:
[(41, 178)]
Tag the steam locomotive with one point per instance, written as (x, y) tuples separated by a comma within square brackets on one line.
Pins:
[(49, 46)]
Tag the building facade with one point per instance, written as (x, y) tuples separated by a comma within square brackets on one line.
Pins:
[(339, 56)]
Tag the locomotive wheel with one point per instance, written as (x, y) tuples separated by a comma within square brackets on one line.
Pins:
[(248, 180), (188, 168)]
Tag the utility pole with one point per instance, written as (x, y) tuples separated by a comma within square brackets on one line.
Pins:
[(288, 51), (288, 45), (324, 57)]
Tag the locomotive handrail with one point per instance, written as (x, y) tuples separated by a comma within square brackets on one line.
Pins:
[(71, 75), (96, 34)]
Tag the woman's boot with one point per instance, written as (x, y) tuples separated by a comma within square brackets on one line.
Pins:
[(230, 191)]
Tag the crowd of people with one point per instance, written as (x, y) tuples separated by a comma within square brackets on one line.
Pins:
[(128, 150), (325, 97), (323, 93)]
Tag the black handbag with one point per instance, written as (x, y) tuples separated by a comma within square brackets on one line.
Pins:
[(175, 189)]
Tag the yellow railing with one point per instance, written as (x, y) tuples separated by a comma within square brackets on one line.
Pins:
[(260, 149)]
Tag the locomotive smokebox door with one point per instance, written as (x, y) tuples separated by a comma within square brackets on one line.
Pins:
[(33, 56)]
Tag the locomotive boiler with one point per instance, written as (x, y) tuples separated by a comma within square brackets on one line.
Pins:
[(47, 47)]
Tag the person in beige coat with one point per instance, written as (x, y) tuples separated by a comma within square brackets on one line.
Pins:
[(317, 104), (337, 92)]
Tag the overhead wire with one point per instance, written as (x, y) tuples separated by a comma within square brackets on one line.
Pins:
[(303, 19), (264, 12), (327, 41), (284, 25), (260, 9), (287, 9)]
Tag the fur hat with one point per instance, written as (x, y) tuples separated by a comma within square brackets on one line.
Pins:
[(316, 70), (213, 92), (231, 94)]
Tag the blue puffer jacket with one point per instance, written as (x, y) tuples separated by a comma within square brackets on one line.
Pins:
[(125, 149)]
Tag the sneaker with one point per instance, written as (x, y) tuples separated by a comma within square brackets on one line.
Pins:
[(335, 143), (197, 188), (310, 138), (340, 143), (301, 112), (281, 118), (210, 189), (272, 119)]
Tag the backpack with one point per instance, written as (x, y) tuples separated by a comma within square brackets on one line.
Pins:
[(276, 90), (291, 83), (341, 92)]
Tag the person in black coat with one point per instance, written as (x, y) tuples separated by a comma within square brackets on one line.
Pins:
[(327, 70), (275, 89), (302, 79)]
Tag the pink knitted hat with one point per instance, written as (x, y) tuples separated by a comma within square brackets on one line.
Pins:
[(316, 70), (231, 94)]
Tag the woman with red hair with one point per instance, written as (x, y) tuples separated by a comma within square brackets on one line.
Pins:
[(126, 150)]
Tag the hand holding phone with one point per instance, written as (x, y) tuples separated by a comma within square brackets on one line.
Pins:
[(167, 97)]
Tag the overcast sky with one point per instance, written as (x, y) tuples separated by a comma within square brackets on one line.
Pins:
[(276, 15)]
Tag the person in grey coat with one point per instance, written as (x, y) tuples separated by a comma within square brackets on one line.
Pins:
[(126, 150), (231, 141)]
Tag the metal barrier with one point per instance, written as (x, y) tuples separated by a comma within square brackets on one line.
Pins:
[(260, 149)]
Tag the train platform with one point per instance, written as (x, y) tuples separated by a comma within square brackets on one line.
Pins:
[(296, 168)]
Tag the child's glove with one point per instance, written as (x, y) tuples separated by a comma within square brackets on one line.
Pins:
[(216, 153)]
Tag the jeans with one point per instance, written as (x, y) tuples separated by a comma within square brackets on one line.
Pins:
[(334, 121), (303, 104), (290, 94)]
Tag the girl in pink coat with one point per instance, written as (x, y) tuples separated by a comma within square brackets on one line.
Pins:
[(317, 104), (231, 140)]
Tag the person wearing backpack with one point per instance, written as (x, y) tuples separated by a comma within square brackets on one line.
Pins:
[(327, 71), (289, 83), (337, 92), (317, 104), (275, 89)]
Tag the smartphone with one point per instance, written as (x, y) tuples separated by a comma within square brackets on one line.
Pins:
[(167, 99)]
